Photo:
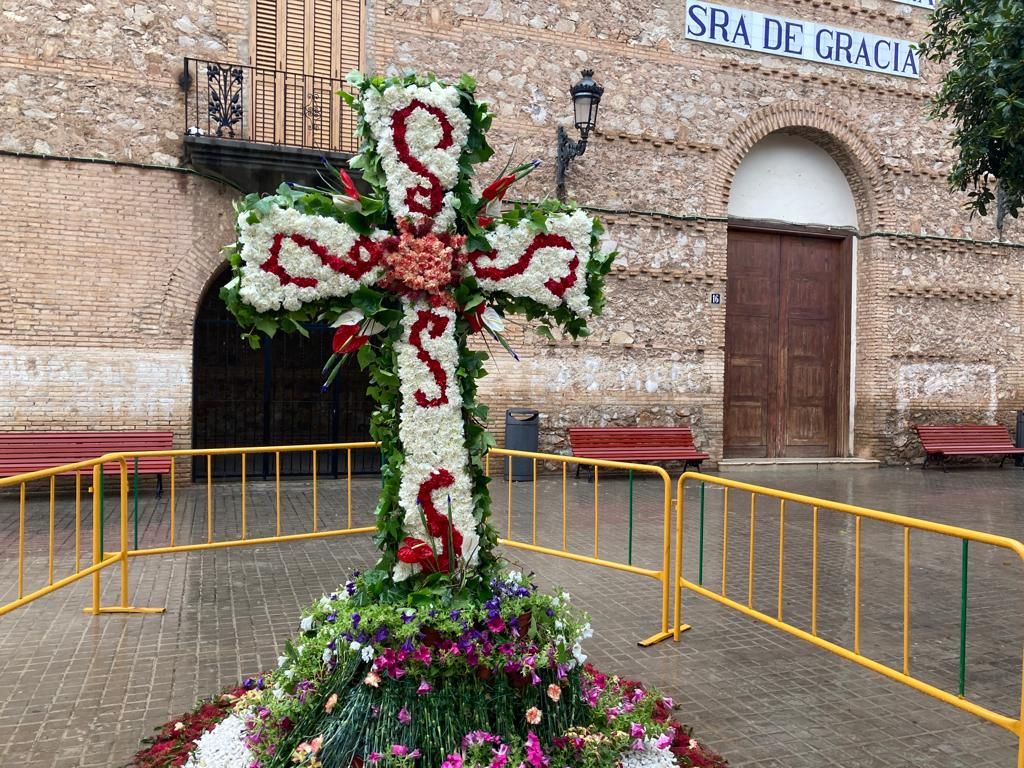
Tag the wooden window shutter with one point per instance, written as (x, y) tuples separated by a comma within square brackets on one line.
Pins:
[(314, 44)]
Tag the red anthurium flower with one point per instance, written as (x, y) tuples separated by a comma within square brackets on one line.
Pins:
[(414, 551), (475, 317), (347, 339)]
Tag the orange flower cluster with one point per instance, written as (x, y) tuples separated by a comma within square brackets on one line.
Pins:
[(420, 261)]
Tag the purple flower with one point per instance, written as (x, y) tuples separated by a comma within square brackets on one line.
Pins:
[(404, 717), (355, 621), (454, 615), (665, 740), (381, 635), (407, 617), (424, 688), (637, 731), (332, 617)]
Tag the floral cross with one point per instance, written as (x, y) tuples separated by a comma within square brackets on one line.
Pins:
[(406, 274)]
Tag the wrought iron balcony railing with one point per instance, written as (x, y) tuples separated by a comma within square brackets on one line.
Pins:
[(266, 106)]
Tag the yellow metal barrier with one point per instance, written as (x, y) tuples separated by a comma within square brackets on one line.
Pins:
[(1013, 724), (661, 574), (174, 539), (25, 594), (244, 539)]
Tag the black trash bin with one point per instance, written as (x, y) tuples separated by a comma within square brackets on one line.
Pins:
[(522, 427), (1018, 459)]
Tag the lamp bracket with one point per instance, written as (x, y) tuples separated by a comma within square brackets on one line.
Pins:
[(567, 151)]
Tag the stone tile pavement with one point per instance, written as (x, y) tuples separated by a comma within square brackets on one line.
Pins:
[(79, 691)]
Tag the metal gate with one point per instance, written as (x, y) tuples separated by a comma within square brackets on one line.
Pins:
[(272, 396)]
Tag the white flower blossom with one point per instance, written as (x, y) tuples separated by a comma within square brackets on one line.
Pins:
[(433, 438), (306, 624), (222, 747), (264, 291), (281, 660), (368, 653), (423, 134), (649, 757), (551, 262), (355, 645)]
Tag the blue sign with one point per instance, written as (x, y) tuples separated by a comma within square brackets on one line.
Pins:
[(716, 298), (765, 33)]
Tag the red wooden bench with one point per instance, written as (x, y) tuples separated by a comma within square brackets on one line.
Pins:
[(635, 444), (30, 451), (966, 440)]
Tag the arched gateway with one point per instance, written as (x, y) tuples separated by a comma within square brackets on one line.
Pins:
[(792, 224), (272, 396)]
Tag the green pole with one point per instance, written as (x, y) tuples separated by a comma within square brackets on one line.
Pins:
[(700, 557), (135, 493), (102, 515), (630, 558), (963, 616)]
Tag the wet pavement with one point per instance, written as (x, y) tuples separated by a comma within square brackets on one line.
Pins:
[(78, 690)]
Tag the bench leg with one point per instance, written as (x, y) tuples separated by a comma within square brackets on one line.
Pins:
[(159, 486), (578, 471), (1002, 461)]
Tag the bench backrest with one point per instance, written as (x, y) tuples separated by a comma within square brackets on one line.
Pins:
[(935, 436), (627, 437), (29, 451)]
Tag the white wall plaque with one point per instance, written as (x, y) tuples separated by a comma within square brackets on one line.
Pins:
[(929, 4), (825, 44)]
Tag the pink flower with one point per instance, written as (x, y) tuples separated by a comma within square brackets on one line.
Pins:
[(453, 760), (424, 688), (533, 716), (665, 740), (637, 731), (332, 701), (554, 692), (374, 757), (372, 679), (534, 754), (500, 759), (404, 717), (399, 750)]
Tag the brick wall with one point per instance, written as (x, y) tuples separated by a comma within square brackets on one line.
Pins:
[(104, 265)]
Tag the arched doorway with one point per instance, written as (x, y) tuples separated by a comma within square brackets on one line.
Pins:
[(792, 220), (272, 396)]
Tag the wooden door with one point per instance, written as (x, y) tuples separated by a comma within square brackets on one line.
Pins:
[(785, 345)]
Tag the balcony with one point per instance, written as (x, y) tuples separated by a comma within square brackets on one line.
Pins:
[(257, 127)]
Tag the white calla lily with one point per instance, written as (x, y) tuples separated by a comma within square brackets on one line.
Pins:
[(352, 317)]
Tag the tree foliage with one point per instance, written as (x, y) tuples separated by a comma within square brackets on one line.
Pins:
[(982, 94)]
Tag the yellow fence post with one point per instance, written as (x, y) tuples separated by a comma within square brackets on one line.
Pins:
[(97, 535)]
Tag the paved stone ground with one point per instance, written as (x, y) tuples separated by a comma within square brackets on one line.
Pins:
[(77, 690)]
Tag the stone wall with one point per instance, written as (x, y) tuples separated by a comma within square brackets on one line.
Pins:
[(105, 264)]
